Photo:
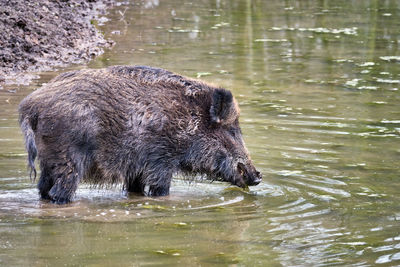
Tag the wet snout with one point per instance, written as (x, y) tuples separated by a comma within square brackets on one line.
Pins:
[(250, 176), (255, 180)]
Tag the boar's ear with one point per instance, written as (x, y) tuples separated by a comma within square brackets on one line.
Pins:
[(222, 105)]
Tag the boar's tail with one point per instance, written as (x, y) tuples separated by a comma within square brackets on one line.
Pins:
[(30, 146)]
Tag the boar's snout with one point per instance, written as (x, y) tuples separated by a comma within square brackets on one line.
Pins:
[(248, 175)]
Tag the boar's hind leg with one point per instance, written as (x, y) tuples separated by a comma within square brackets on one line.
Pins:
[(67, 175), (45, 182), (64, 187)]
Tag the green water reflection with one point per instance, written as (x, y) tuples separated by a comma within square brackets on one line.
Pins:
[(318, 86)]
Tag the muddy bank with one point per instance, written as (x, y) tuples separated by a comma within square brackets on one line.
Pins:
[(40, 35)]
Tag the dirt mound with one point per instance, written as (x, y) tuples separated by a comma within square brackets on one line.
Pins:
[(38, 35)]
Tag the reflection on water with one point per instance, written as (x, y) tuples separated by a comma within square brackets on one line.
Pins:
[(318, 85)]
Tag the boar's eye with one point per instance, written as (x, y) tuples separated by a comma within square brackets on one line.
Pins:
[(234, 132)]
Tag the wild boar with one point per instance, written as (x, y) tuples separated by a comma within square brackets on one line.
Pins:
[(134, 125)]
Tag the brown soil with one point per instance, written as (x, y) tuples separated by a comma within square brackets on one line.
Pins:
[(39, 35)]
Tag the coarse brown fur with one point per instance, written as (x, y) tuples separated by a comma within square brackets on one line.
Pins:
[(132, 124)]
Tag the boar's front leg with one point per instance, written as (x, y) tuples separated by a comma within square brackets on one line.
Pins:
[(135, 184), (150, 176), (159, 190), (151, 186), (159, 180)]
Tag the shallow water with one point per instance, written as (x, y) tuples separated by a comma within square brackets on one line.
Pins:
[(318, 86)]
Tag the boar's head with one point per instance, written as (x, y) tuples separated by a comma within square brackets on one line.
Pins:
[(219, 150)]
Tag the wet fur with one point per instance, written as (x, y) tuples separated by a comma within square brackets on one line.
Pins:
[(132, 124)]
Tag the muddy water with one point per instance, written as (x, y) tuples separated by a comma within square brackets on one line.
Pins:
[(318, 85)]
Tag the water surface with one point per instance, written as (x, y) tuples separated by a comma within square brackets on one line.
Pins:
[(318, 86)]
